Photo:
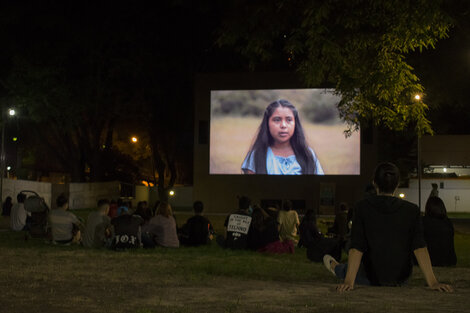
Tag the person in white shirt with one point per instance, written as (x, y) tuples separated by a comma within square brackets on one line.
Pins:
[(20, 219)]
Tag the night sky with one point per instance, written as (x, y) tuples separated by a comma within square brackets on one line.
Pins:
[(77, 67)]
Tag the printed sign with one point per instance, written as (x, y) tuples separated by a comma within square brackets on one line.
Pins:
[(239, 223)]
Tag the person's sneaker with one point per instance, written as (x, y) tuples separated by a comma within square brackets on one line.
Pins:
[(327, 259)]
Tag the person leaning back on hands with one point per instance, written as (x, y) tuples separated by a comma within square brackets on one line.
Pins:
[(386, 232)]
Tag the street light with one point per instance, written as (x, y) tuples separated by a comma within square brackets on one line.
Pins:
[(11, 112), (134, 139)]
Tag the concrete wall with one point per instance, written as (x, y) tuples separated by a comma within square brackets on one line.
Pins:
[(182, 199), (455, 193), (85, 195), (11, 187)]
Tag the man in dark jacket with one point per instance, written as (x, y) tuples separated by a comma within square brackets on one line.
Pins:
[(386, 231), (198, 230)]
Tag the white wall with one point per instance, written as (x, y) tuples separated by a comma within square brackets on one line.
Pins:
[(11, 187), (86, 195), (455, 194)]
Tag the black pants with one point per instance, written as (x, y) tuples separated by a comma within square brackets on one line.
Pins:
[(317, 249)]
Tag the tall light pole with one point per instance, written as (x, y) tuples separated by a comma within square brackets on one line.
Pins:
[(418, 98), (11, 112)]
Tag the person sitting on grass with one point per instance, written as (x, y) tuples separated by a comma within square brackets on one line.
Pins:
[(20, 219), (144, 211), (65, 226), (198, 229), (439, 233), (127, 231), (122, 207), (340, 226), (236, 226), (263, 235), (288, 220), (386, 231), (317, 245), (98, 227), (162, 228), (112, 212), (6, 208)]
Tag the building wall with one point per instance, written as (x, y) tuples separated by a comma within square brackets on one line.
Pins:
[(455, 193), (446, 150), (182, 199), (86, 195)]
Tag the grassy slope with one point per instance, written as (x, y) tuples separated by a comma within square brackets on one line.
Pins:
[(41, 277)]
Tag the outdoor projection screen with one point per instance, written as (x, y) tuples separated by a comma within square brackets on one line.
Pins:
[(236, 116)]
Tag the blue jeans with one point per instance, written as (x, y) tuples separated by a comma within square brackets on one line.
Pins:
[(361, 277)]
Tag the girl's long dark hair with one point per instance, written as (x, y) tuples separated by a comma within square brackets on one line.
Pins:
[(436, 208), (264, 140)]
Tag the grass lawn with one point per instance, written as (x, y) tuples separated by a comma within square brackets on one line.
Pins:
[(39, 277)]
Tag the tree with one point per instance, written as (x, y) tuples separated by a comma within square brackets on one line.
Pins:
[(358, 46), (71, 84)]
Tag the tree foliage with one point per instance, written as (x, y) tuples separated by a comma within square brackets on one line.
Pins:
[(357, 46), (79, 83)]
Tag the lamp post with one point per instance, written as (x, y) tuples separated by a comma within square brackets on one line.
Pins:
[(11, 112), (417, 97)]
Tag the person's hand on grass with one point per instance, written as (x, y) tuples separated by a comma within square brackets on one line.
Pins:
[(442, 287), (344, 287)]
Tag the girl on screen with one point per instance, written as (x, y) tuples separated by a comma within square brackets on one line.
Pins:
[(280, 147)]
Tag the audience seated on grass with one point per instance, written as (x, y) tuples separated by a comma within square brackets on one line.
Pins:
[(272, 209), (263, 235), (20, 219), (64, 225), (340, 227), (6, 207), (386, 231), (198, 229), (236, 226), (288, 220), (439, 233), (161, 230), (112, 213), (144, 211), (97, 231), (122, 207), (317, 245), (127, 231)]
